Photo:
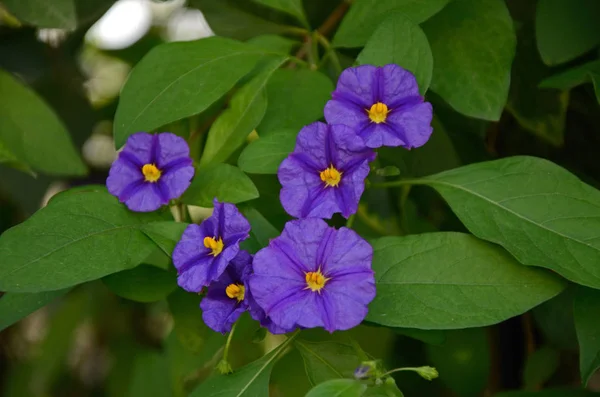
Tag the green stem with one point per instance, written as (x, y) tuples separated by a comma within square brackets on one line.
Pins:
[(335, 60), (350, 221), (229, 338), (400, 369), (299, 61)]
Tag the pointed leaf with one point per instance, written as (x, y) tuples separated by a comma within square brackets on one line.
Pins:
[(292, 7), (144, 283), (59, 14), (264, 155), (324, 361), (338, 388), (15, 306)]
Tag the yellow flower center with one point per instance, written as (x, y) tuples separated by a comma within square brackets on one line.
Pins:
[(378, 112), (151, 172), (235, 291), (331, 176), (215, 245), (315, 281)]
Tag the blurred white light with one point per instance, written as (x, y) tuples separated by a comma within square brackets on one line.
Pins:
[(124, 23), (186, 24), (99, 151)]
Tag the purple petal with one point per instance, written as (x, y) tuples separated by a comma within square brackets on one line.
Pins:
[(144, 197), (258, 314), (122, 174), (358, 287), (350, 253), (176, 181), (343, 311), (311, 141), (413, 125), (233, 226), (171, 148), (384, 134), (279, 260), (219, 311), (346, 113), (304, 237), (358, 85), (397, 85), (139, 145)]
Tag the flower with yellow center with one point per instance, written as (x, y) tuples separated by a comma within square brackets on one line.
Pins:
[(331, 176), (378, 112), (315, 281), (236, 291), (215, 245), (151, 173)]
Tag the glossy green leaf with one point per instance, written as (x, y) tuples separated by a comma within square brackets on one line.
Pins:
[(586, 73), (274, 43), (262, 230), (165, 234), (142, 284), (78, 237), (430, 336), (32, 134), (338, 388), (324, 361), (15, 306), (223, 181), (296, 98), (246, 110), (538, 211), (249, 381), (385, 390), (178, 80), (579, 30), (365, 15), (59, 14), (586, 307), (292, 7), (540, 366), (149, 375), (264, 155), (452, 280), (473, 44), (401, 41)]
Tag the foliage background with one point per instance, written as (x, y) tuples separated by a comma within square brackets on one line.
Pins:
[(506, 78)]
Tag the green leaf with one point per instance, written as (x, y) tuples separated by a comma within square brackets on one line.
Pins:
[(338, 388), (324, 361), (223, 181), (58, 14), (539, 212), (586, 307), (262, 231), (473, 44), (586, 73), (15, 306), (401, 41), (579, 30), (148, 378), (274, 43), (142, 284), (540, 366), (78, 237), (165, 234), (554, 319), (264, 155), (32, 134), (451, 280), (385, 390), (296, 98), (249, 381), (292, 7), (365, 15), (178, 80), (430, 336), (548, 393), (247, 108)]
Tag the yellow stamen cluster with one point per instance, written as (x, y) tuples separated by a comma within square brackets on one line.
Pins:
[(331, 176), (315, 281), (236, 291), (378, 112), (151, 173), (215, 245)]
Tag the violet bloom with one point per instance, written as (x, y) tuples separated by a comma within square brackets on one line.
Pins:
[(227, 297), (383, 105), (151, 170), (258, 314), (325, 173), (205, 250), (314, 276)]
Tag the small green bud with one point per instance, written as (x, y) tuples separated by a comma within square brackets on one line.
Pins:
[(224, 368), (427, 372)]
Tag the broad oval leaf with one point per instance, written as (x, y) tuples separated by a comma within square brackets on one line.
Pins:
[(401, 41), (324, 361), (452, 280), (78, 237), (59, 14), (365, 15), (540, 366), (247, 108), (473, 44), (538, 211), (264, 155), (165, 234), (32, 134), (588, 72), (579, 29), (586, 307), (249, 381), (178, 80), (338, 388), (292, 7), (223, 181), (144, 283), (15, 306), (261, 233), (296, 98)]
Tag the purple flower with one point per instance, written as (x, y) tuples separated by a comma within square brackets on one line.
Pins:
[(150, 171), (205, 250), (314, 276), (383, 105), (257, 313), (325, 173), (227, 297)]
